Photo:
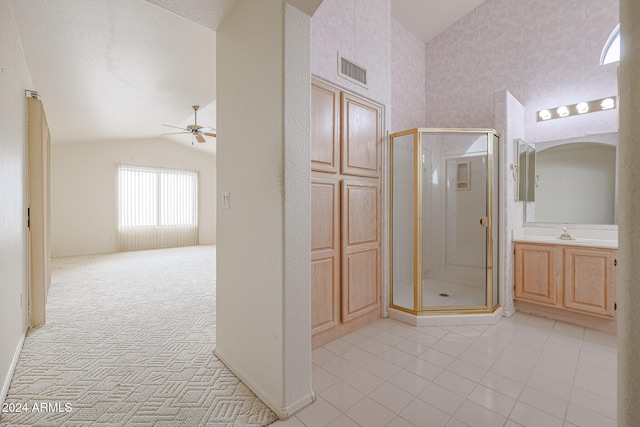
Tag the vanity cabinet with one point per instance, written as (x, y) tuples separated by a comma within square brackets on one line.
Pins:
[(577, 278), (589, 280)]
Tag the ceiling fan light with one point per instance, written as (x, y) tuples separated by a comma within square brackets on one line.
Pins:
[(198, 132)]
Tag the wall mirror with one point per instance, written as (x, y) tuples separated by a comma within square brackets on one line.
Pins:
[(575, 181), (525, 170)]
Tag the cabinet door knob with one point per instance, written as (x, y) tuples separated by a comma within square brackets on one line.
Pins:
[(484, 221)]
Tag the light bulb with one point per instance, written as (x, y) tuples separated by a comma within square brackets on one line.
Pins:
[(582, 107), (563, 111), (544, 114), (607, 103)]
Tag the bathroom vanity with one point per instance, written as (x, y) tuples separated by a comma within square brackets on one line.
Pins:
[(572, 280)]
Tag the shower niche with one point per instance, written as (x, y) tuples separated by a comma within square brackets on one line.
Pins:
[(444, 222)]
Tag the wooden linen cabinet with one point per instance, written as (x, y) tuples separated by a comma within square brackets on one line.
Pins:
[(346, 138)]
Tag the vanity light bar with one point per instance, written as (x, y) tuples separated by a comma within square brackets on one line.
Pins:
[(583, 107)]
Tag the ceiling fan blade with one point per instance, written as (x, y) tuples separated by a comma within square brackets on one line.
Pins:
[(207, 129), (186, 130), (174, 133), (209, 134), (199, 137)]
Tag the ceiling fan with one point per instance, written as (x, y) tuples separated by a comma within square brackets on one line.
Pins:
[(194, 129)]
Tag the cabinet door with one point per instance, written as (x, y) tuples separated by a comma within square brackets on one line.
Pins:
[(361, 136), (535, 273), (589, 282), (325, 259), (360, 249), (325, 129)]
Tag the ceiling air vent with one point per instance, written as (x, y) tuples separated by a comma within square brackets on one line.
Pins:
[(352, 71)]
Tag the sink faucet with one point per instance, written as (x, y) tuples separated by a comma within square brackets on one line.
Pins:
[(565, 234)]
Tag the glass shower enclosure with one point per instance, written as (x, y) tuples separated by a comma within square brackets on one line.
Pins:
[(444, 221)]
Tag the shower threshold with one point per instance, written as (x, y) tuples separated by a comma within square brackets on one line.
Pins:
[(448, 318)]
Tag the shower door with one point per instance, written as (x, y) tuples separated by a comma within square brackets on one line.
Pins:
[(444, 208), (454, 220)]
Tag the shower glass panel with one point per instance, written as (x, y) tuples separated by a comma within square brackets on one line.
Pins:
[(444, 206), (403, 221), (493, 270)]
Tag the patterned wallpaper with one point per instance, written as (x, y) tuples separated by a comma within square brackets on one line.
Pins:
[(359, 30), (407, 79), (545, 52)]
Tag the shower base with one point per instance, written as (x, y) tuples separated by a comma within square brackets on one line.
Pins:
[(437, 319), (458, 295), (440, 293)]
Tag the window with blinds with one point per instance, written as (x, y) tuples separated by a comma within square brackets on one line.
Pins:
[(156, 207)]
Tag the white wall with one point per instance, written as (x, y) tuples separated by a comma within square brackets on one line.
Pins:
[(84, 190), (264, 246), (628, 283), (14, 79), (509, 122)]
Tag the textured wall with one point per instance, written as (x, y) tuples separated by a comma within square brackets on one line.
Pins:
[(359, 30), (545, 52), (14, 79), (509, 122), (407, 79), (263, 322), (628, 288), (84, 217)]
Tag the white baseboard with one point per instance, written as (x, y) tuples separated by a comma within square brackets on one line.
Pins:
[(12, 368), (281, 412), (509, 313)]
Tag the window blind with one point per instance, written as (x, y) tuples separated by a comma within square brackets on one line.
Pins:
[(157, 208)]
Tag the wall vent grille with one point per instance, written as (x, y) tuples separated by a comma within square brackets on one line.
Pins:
[(352, 71)]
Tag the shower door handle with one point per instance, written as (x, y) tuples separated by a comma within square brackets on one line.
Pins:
[(484, 221)]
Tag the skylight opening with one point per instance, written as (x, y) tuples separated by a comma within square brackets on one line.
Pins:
[(611, 50)]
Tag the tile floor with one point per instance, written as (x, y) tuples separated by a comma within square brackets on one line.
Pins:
[(523, 371)]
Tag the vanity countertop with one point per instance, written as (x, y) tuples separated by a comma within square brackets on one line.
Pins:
[(580, 237)]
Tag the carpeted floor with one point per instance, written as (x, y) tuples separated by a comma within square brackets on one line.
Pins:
[(129, 340)]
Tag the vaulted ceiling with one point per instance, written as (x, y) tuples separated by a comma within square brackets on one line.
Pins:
[(118, 69)]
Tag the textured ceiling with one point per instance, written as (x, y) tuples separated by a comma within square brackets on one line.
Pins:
[(208, 13), (428, 18), (118, 69)]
